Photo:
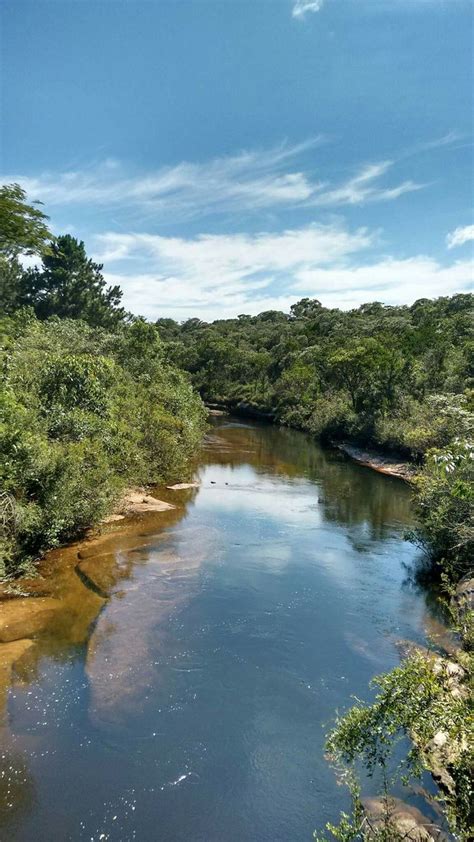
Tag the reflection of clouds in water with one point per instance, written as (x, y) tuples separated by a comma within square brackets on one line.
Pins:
[(294, 504), (274, 555), (339, 564)]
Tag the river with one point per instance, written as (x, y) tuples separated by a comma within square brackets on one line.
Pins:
[(192, 704)]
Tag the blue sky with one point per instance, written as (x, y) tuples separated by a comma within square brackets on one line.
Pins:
[(232, 156)]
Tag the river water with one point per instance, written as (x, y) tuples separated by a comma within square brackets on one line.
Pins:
[(193, 703)]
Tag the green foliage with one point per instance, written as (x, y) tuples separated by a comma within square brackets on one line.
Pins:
[(425, 698), (70, 285), (23, 228), (83, 413), (392, 376), (370, 372), (445, 504), (11, 276)]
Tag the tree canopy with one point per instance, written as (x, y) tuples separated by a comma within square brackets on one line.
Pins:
[(23, 227)]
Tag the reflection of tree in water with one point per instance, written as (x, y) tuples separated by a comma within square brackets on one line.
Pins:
[(17, 788), (351, 495), (354, 497)]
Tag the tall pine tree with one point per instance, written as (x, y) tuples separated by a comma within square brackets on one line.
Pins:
[(71, 285)]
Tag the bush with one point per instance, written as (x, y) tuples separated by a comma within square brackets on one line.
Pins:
[(445, 507), (424, 697), (83, 413)]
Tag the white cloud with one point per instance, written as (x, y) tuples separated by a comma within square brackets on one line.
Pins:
[(249, 179), (222, 255), (361, 189), (219, 273), (218, 276), (302, 7), (245, 182), (460, 236), (390, 280)]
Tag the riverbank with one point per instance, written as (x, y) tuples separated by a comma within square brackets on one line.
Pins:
[(184, 639), (72, 584), (378, 461), (383, 461)]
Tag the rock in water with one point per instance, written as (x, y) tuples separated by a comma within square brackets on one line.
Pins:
[(407, 820), (26, 617)]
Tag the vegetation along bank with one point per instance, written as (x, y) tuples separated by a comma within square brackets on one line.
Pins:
[(94, 400)]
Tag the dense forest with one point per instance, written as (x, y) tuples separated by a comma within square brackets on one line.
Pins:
[(94, 399), (89, 405), (397, 377)]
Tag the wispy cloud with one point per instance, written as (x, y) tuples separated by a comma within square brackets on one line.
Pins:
[(460, 236), (363, 188), (302, 7), (246, 182), (222, 260), (255, 178), (215, 276)]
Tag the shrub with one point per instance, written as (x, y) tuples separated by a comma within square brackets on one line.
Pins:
[(82, 414)]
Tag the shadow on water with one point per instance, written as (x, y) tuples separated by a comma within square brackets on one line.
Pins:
[(192, 659)]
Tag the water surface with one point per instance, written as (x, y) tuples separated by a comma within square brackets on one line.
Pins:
[(192, 705)]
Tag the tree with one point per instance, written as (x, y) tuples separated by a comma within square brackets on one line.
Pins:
[(23, 228), (445, 507), (70, 285), (306, 308), (11, 277), (140, 350), (369, 371)]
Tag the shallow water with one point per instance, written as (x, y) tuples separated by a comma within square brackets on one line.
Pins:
[(192, 705)]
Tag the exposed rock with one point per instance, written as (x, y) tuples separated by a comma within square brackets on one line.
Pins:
[(465, 588), (217, 412), (180, 486), (378, 461), (113, 518), (464, 601), (102, 573), (407, 648), (442, 636), (11, 655), (135, 502), (407, 820), (26, 617), (440, 774), (121, 661)]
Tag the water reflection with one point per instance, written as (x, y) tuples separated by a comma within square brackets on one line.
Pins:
[(195, 654), (350, 494)]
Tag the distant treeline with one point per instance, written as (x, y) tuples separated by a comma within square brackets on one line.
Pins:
[(397, 377)]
